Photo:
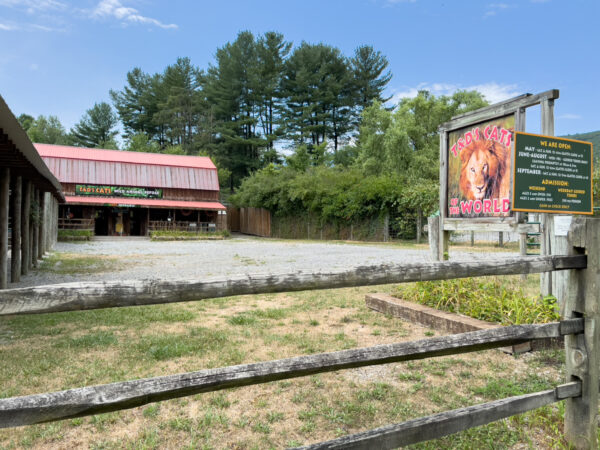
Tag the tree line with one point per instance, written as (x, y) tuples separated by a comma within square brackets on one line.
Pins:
[(259, 95)]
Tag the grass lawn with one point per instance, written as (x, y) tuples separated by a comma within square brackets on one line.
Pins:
[(64, 350)]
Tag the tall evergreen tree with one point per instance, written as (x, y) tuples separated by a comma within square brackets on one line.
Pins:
[(368, 67), (317, 85), (272, 50), (136, 104), (96, 129), (231, 89)]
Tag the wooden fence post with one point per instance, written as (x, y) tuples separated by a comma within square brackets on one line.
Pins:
[(582, 299), (433, 231)]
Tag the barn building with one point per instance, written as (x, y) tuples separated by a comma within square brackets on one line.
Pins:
[(117, 193)]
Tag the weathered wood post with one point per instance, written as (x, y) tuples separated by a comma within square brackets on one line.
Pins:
[(42, 226), (31, 228), (433, 230), (547, 229), (25, 236), (15, 244), (582, 299), (500, 239), (419, 224), (36, 227), (386, 227), (4, 199)]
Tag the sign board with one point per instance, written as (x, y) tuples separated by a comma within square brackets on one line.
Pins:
[(552, 175), (479, 169), (117, 191)]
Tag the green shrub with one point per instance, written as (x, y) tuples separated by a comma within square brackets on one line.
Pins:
[(170, 235), (79, 235), (484, 299)]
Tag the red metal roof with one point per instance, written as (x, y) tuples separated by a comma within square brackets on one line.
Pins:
[(95, 154), (153, 203), (118, 168)]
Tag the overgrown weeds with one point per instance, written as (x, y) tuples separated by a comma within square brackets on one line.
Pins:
[(485, 299)]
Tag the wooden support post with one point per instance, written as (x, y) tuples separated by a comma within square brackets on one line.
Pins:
[(4, 199), (582, 299), (25, 236), (15, 244), (42, 226), (31, 228), (547, 229), (500, 239), (433, 227), (419, 224), (472, 239), (523, 250), (386, 228), (444, 236), (35, 241)]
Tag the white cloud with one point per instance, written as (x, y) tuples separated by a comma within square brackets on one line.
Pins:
[(495, 8), (6, 27), (32, 6), (569, 116), (492, 91), (114, 9)]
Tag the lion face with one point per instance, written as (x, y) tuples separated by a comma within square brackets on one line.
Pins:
[(478, 175), (483, 165)]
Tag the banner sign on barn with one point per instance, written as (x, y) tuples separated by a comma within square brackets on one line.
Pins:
[(117, 191), (552, 175), (479, 169)]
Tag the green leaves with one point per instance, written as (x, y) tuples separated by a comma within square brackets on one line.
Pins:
[(96, 129)]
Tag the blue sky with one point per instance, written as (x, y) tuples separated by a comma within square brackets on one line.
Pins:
[(60, 56)]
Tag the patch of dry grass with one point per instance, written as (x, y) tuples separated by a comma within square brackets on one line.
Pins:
[(58, 351)]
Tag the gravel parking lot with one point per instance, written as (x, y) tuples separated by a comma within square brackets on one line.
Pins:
[(143, 259)]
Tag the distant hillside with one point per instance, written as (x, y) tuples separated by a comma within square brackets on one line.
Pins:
[(592, 136)]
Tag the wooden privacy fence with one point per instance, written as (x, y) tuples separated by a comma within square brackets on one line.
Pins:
[(579, 326), (256, 221)]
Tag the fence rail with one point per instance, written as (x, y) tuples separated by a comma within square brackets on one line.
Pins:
[(129, 394), (165, 225), (75, 224), (581, 329), (108, 294), (449, 422)]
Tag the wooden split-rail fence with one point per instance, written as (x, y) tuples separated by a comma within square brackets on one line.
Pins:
[(579, 326)]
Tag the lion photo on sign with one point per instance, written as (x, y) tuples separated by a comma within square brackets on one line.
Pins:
[(485, 170)]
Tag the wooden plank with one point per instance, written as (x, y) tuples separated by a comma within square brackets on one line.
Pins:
[(483, 225), (38, 408), (15, 244), (449, 422), (499, 109), (107, 294), (582, 351), (4, 203)]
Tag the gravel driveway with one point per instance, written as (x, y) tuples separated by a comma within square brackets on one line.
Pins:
[(143, 259)]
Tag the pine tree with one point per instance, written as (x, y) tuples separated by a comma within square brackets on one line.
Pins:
[(96, 129)]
